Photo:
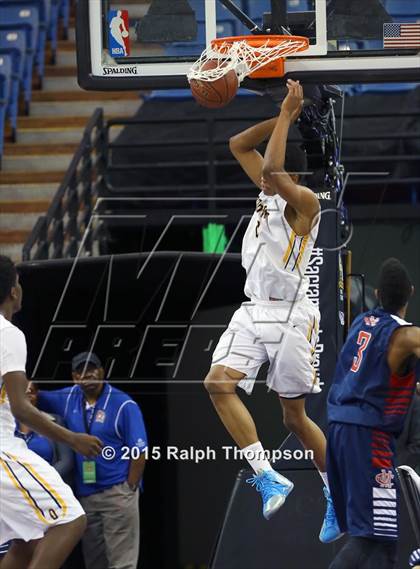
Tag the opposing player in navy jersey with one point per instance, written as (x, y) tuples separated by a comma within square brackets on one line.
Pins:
[(373, 386)]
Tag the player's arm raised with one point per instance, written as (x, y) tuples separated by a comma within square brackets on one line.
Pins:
[(275, 177), (16, 384), (244, 147)]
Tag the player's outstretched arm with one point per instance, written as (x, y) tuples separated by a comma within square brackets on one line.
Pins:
[(275, 178), (16, 384), (243, 146)]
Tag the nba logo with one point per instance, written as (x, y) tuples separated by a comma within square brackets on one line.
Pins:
[(119, 33)]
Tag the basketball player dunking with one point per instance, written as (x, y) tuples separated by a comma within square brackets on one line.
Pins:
[(279, 324)]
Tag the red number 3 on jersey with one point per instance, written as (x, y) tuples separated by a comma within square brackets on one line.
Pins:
[(362, 341)]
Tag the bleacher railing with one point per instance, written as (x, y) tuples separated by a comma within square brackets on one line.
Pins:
[(58, 234), (212, 163)]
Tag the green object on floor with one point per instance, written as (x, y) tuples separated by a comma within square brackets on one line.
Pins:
[(214, 238)]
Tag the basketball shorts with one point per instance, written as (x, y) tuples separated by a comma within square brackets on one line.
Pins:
[(284, 334), (363, 480), (33, 497)]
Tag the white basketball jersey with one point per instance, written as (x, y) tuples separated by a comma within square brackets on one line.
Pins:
[(12, 358), (274, 257)]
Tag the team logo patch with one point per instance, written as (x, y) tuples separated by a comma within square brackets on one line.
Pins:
[(371, 320), (100, 416), (385, 478)]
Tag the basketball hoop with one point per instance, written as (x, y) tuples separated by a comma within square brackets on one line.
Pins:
[(259, 57)]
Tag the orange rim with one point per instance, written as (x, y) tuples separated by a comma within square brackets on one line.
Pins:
[(258, 41), (274, 68)]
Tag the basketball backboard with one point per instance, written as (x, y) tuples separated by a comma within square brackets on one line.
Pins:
[(129, 44)]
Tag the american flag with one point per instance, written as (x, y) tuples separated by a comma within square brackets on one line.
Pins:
[(402, 35)]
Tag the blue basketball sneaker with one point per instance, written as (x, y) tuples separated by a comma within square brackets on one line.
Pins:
[(330, 530), (274, 489)]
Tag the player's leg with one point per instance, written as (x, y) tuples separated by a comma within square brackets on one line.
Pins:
[(312, 438), (57, 544), (291, 342), (310, 435), (365, 553), (221, 383), (238, 355), (367, 476), (51, 551), (335, 522), (19, 555), (237, 359), (36, 505)]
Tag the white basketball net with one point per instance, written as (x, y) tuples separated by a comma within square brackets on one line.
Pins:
[(240, 56)]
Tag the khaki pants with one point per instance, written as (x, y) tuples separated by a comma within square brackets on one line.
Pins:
[(112, 537)]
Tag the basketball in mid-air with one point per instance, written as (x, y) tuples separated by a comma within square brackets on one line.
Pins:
[(218, 93)]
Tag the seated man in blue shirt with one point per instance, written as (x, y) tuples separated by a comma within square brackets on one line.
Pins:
[(107, 487)]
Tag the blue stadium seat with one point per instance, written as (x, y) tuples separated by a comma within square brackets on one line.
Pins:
[(15, 41), (349, 90), (64, 14), (6, 72), (299, 5), (226, 28), (34, 12), (53, 26), (30, 36), (371, 44), (256, 8), (189, 48), (195, 48), (221, 12), (402, 7), (184, 48), (223, 16), (14, 44), (186, 95), (386, 87)]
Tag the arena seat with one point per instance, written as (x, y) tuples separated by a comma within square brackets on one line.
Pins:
[(64, 14), (27, 30), (189, 47), (256, 8), (14, 42), (299, 5), (31, 11), (6, 69), (227, 23), (386, 87), (185, 94), (16, 76), (222, 13), (402, 7), (52, 32)]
